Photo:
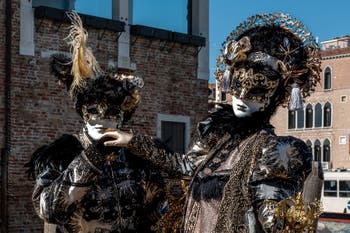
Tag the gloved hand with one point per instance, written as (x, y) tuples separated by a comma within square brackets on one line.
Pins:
[(117, 138)]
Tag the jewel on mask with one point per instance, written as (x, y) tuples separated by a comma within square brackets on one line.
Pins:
[(276, 46), (235, 50)]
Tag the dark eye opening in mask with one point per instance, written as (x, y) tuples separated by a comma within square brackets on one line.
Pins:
[(236, 85), (264, 69), (258, 67), (112, 112), (257, 91), (93, 110)]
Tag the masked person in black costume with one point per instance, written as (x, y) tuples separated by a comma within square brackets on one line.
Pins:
[(236, 160), (82, 186)]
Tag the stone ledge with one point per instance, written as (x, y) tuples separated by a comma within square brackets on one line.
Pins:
[(43, 12), (140, 30)]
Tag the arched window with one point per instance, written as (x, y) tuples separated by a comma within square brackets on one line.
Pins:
[(309, 116), (291, 119), (300, 118), (326, 151), (317, 151), (223, 96), (309, 146), (327, 115), (327, 79), (318, 115)]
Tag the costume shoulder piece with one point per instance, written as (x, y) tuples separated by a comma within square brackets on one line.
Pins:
[(223, 121), (217, 123), (56, 155)]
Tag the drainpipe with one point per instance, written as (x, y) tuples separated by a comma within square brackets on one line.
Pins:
[(5, 152)]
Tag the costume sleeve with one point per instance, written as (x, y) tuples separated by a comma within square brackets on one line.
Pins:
[(172, 163), (280, 173), (57, 194)]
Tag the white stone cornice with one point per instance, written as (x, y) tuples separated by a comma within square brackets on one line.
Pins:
[(336, 56)]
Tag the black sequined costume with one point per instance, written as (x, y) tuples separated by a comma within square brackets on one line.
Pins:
[(81, 192), (82, 186), (236, 164)]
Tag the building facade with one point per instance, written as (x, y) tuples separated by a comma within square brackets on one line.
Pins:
[(34, 110), (323, 123)]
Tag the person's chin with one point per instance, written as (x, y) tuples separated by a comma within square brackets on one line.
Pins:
[(241, 114), (96, 136)]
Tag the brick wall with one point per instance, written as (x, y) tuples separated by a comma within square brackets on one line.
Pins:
[(2, 70), (2, 78), (42, 111), (171, 86)]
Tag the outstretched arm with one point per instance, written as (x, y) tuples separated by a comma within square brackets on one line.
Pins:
[(158, 153)]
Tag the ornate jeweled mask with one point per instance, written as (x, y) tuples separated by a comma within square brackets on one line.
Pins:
[(265, 55)]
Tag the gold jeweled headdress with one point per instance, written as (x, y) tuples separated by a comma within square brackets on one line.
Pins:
[(277, 40)]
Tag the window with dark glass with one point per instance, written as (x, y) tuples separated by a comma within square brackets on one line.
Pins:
[(327, 78), (317, 151), (291, 119), (327, 115), (330, 188), (309, 116), (344, 188), (318, 115), (210, 92), (309, 146), (173, 134), (101, 8), (214, 93), (300, 118), (62, 4), (223, 96), (343, 98), (326, 151), (169, 15)]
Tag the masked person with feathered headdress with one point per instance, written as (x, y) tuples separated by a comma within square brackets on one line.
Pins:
[(82, 186), (236, 160)]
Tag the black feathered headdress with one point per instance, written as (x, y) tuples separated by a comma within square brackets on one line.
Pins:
[(87, 83)]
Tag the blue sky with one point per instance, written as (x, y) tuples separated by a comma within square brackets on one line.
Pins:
[(325, 19)]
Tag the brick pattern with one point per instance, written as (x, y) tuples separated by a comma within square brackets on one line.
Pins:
[(2, 72), (42, 111), (167, 89)]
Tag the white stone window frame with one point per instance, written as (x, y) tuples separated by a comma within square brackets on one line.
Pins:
[(342, 140), (324, 79), (175, 118), (26, 29), (331, 106), (345, 98)]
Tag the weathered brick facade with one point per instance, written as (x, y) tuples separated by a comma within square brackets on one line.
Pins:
[(42, 111)]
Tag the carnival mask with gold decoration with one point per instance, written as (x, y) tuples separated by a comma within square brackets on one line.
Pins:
[(268, 57), (96, 94)]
